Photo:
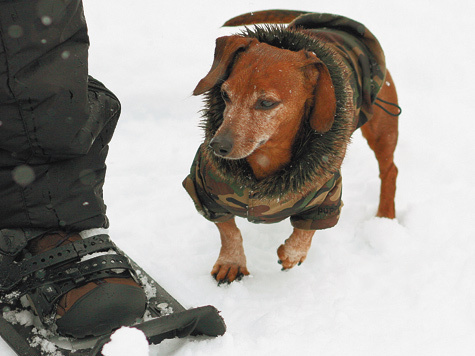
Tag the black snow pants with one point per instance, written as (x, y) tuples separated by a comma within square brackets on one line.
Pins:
[(55, 120)]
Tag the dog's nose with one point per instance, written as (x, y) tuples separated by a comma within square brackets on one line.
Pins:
[(221, 145)]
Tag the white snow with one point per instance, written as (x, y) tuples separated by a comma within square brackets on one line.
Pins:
[(126, 341), (23, 317), (369, 286), (47, 348)]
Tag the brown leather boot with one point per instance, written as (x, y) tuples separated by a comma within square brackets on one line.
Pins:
[(97, 307)]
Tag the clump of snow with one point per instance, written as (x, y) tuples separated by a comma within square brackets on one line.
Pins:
[(165, 309), (47, 347), (148, 287), (8, 298), (22, 317), (125, 342)]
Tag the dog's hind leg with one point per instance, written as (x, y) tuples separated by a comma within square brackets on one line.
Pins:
[(231, 263), (294, 250), (381, 132)]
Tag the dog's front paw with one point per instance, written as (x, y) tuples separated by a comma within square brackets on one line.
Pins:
[(228, 272), (289, 257)]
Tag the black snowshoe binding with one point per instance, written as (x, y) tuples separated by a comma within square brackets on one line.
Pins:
[(31, 285)]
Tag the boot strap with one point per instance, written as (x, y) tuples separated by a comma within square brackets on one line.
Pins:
[(49, 275)]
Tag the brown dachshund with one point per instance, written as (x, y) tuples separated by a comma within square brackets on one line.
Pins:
[(276, 96)]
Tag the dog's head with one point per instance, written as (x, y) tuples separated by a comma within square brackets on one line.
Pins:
[(267, 91)]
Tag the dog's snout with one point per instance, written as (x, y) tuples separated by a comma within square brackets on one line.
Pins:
[(221, 145)]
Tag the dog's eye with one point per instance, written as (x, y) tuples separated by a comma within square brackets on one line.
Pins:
[(225, 96), (266, 104)]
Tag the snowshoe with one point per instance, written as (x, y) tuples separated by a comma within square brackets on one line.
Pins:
[(32, 284)]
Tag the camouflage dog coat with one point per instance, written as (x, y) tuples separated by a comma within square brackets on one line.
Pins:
[(308, 190)]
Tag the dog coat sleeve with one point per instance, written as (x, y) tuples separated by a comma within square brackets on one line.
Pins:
[(204, 202), (323, 211)]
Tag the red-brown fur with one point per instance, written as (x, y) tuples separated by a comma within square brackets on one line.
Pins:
[(298, 85)]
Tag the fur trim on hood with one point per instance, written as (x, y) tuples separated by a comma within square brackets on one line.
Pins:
[(315, 157)]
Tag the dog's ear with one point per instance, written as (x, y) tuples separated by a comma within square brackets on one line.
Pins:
[(224, 53), (324, 107)]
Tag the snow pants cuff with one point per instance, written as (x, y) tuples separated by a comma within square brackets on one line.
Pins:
[(64, 195)]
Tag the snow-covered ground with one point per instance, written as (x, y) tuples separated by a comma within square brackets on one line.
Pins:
[(369, 286)]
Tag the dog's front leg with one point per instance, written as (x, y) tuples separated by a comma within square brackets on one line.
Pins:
[(294, 250), (231, 263)]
